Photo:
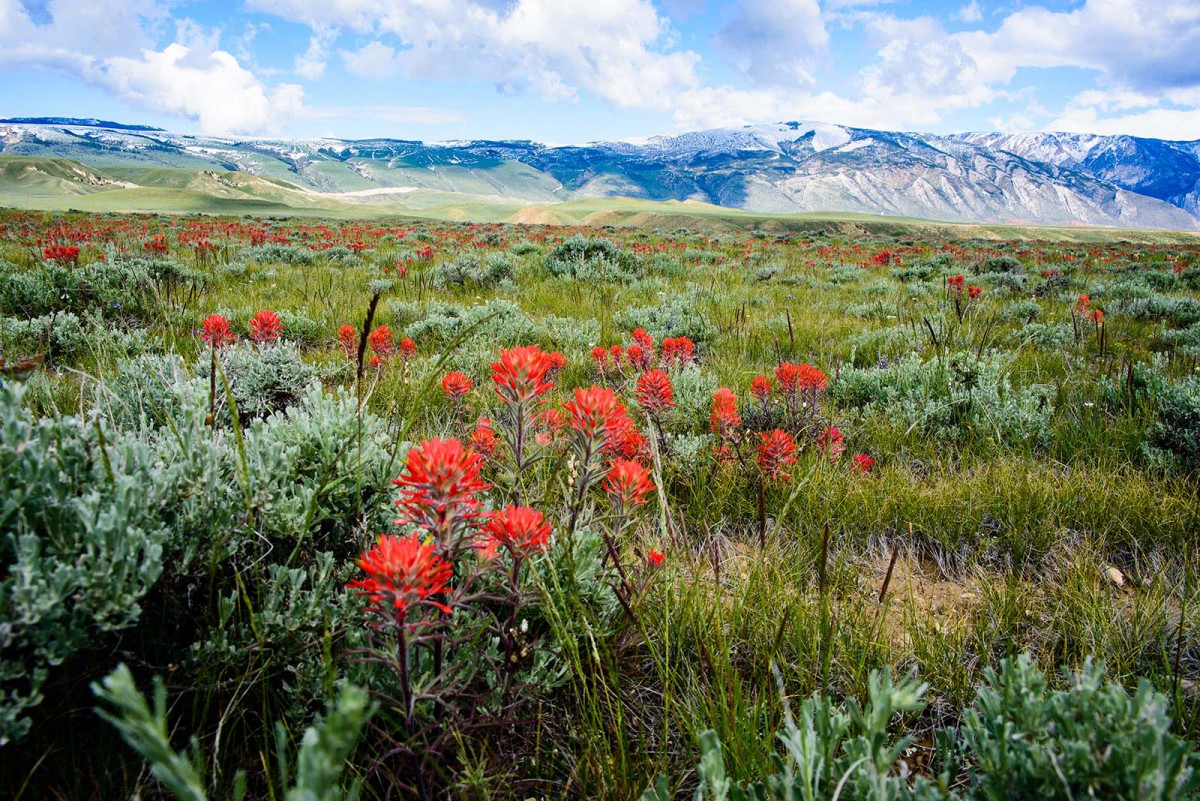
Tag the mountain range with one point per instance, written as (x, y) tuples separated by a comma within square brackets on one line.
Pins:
[(785, 168)]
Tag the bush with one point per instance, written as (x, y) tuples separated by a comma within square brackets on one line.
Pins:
[(83, 544), (1000, 264), (674, 316), (950, 398), (1018, 740), (1176, 429), (591, 259)]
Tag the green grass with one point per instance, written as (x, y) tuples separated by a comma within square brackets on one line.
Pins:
[(1002, 542)]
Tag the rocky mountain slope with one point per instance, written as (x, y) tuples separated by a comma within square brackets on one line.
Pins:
[(780, 168)]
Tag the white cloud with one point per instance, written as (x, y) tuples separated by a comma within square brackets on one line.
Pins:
[(971, 12), (111, 46), (209, 87), (919, 62), (776, 42), (374, 61), (311, 63), (620, 50), (1135, 44), (1133, 113)]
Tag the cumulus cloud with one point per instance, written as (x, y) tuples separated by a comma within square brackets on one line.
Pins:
[(209, 87), (311, 63), (374, 61), (111, 47), (776, 42), (1136, 44), (619, 50), (971, 12)]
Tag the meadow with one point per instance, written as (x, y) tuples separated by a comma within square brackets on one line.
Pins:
[(293, 509)]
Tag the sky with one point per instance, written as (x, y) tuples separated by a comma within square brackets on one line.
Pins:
[(573, 71)]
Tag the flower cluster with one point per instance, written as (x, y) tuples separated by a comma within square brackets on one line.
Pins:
[(217, 332), (655, 393), (677, 351), (518, 529), (348, 339), (627, 484), (265, 327), (63, 254), (382, 349), (402, 572), (521, 374), (832, 442), (456, 385), (776, 452), (438, 489)]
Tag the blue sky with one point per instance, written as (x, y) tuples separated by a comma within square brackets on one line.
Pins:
[(577, 70)]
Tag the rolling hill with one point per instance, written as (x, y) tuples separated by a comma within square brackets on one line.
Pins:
[(786, 168)]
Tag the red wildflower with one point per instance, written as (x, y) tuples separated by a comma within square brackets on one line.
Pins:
[(64, 254), (591, 410), (760, 388), (600, 357), (402, 572), (408, 348), (1082, 304), (483, 439), (654, 558), (438, 486), (523, 531), (265, 326), (654, 392), (725, 418), (862, 463), (678, 350), (955, 283), (617, 353), (788, 376), (974, 291), (381, 342), (556, 362), (349, 339), (456, 385), (520, 375), (832, 442), (1097, 316), (638, 359), (627, 484), (776, 451), (811, 379), (217, 332), (644, 340), (621, 437)]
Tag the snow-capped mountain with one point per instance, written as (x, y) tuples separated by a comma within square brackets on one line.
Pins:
[(788, 167)]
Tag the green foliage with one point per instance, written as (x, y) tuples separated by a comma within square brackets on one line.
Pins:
[(1091, 740), (320, 760), (82, 543), (145, 731), (950, 398), (677, 315), (591, 259), (1176, 429), (1019, 739)]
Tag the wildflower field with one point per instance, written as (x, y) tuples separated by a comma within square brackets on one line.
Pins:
[(301, 510)]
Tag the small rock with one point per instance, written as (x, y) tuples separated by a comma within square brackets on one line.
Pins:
[(1115, 576)]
